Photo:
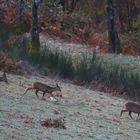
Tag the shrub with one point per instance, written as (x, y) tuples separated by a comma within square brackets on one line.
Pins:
[(88, 68), (65, 65), (59, 62)]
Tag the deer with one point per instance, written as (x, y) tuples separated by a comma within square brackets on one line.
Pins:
[(3, 78), (131, 107), (44, 88)]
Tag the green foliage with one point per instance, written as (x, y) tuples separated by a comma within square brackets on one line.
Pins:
[(5, 34), (65, 65), (59, 62), (20, 27), (18, 51), (82, 69), (133, 84), (34, 50), (136, 24), (88, 68), (120, 78), (52, 59)]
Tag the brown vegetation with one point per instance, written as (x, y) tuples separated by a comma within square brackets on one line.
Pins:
[(93, 35), (8, 65), (56, 123)]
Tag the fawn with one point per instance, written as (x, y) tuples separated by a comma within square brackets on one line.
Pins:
[(131, 107), (4, 78), (44, 88)]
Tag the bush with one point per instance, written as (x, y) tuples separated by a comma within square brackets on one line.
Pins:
[(65, 65), (88, 68), (59, 62)]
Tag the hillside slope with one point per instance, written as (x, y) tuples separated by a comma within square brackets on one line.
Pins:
[(88, 115)]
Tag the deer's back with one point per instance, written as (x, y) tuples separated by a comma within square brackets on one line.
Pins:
[(131, 106), (41, 86)]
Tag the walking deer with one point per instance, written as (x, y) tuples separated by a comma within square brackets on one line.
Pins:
[(44, 88), (131, 107)]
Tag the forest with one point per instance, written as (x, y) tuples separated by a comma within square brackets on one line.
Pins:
[(85, 51)]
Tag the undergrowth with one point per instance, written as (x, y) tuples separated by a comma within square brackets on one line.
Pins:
[(88, 67)]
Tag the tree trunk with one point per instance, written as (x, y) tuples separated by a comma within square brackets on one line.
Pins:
[(21, 14), (21, 9), (73, 5), (35, 48), (114, 41)]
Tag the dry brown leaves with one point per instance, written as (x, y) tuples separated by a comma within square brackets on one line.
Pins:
[(8, 65), (56, 123), (58, 94), (79, 82), (100, 40)]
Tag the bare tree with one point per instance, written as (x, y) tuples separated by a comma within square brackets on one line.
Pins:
[(21, 9), (21, 14), (68, 5), (35, 27), (114, 41)]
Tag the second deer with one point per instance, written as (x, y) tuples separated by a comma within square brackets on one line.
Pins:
[(131, 107), (44, 88)]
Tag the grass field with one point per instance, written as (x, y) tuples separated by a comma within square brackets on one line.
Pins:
[(87, 114)]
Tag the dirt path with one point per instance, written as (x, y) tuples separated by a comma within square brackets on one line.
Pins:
[(88, 115)]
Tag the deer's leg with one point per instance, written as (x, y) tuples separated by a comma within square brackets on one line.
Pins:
[(122, 112), (4, 78), (36, 93), (43, 94), (27, 90), (138, 116), (130, 115)]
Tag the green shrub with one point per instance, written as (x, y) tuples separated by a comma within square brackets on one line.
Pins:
[(88, 68), (65, 65), (59, 62), (136, 24)]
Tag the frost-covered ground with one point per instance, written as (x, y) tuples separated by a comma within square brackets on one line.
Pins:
[(64, 46), (88, 115)]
